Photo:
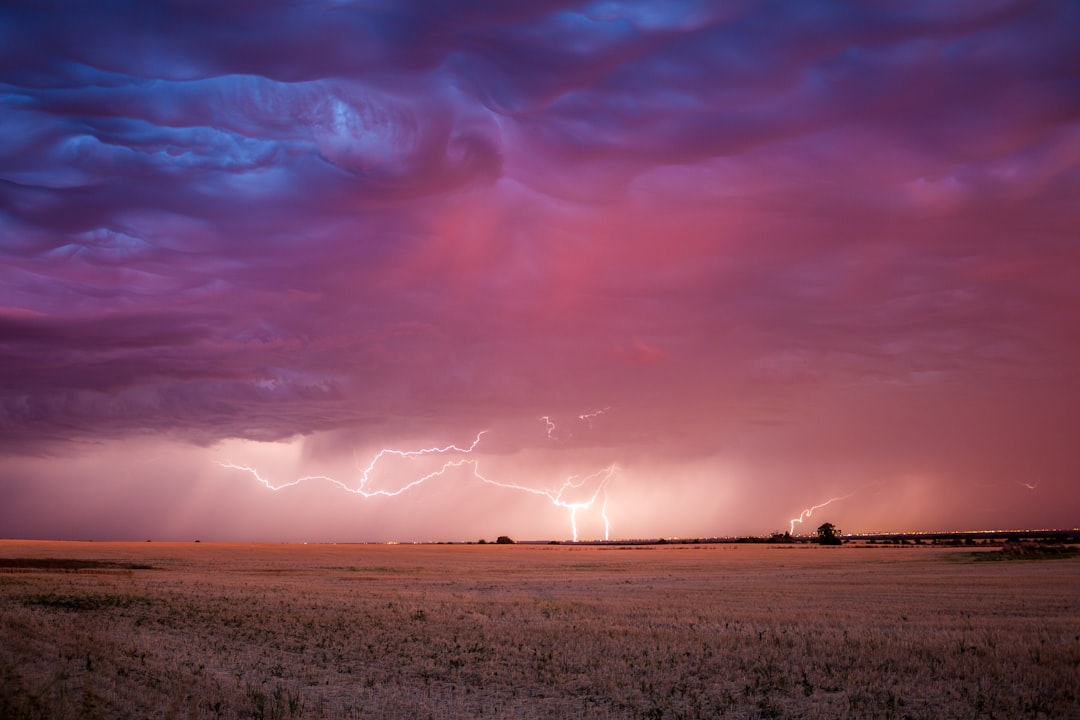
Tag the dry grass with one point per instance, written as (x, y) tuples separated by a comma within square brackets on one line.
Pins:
[(236, 631)]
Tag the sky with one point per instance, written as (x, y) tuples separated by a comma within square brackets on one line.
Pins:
[(405, 270)]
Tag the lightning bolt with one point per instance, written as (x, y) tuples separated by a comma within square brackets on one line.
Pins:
[(810, 510), (574, 482), (365, 474), (589, 416), (549, 424), (558, 496)]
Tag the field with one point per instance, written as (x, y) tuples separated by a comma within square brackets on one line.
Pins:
[(200, 630)]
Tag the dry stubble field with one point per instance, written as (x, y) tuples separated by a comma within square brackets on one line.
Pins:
[(694, 631)]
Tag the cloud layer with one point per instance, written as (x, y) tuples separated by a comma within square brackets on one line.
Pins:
[(807, 237)]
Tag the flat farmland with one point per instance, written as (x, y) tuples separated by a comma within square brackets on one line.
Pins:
[(201, 630)]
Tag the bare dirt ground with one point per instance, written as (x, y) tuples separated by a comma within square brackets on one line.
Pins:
[(191, 630)]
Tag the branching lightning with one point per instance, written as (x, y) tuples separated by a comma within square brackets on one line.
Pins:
[(574, 482), (810, 510), (365, 473), (558, 496)]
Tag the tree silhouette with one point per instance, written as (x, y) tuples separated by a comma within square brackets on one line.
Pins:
[(828, 534)]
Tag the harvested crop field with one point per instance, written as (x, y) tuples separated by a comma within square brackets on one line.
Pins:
[(199, 630)]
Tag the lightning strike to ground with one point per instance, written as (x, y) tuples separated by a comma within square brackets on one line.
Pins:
[(810, 511), (574, 482), (557, 496)]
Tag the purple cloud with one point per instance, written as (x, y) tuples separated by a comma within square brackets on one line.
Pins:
[(269, 220)]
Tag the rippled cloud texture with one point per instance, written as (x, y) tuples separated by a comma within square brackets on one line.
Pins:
[(792, 251)]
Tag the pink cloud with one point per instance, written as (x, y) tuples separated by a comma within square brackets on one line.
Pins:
[(784, 242)]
